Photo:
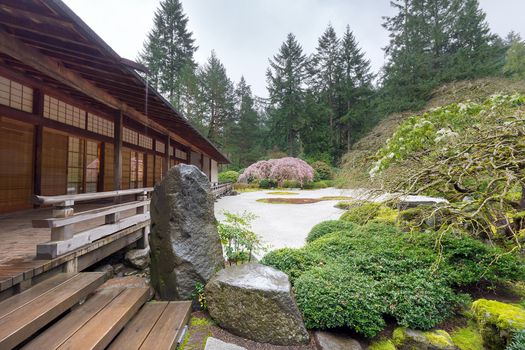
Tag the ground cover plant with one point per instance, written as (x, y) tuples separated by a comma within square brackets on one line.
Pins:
[(238, 239), (358, 276)]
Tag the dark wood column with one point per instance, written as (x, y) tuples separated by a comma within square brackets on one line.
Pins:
[(167, 157), (38, 109), (117, 179)]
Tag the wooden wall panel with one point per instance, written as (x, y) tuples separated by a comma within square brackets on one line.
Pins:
[(16, 165), (54, 163)]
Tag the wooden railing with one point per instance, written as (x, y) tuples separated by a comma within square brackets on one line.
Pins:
[(220, 190), (65, 239)]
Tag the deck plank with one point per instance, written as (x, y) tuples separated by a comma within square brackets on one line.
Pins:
[(138, 329), (19, 325), (19, 300), (101, 329), (57, 334), (166, 331)]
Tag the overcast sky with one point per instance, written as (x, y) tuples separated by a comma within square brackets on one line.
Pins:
[(245, 33)]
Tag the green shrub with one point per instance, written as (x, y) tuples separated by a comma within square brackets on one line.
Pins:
[(322, 170), (331, 297), (291, 184), (369, 211), (518, 341), (228, 176), (327, 227), (291, 261), (267, 184), (408, 276), (420, 300)]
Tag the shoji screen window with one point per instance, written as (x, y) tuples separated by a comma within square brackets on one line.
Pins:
[(137, 170), (75, 165), (92, 166)]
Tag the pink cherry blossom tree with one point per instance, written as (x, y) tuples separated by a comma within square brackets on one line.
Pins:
[(280, 170)]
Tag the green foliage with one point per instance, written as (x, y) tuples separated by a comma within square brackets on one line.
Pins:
[(327, 227), (322, 170), (515, 60), (199, 296), (237, 238), (408, 276), (228, 176), (518, 342), (266, 184), (330, 297), (369, 211)]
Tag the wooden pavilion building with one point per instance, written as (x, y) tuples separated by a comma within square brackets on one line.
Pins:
[(75, 117)]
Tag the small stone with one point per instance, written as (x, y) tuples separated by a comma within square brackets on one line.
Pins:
[(138, 258), (107, 269), (256, 302), (118, 269), (409, 339), (336, 341), (216, 344)]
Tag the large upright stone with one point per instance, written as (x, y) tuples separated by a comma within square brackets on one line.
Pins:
[(256, 302), (184, 242)]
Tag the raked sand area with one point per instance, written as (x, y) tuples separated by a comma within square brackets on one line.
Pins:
[(287, 225), (284, 225)]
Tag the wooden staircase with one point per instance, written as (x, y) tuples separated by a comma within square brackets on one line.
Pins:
[(76, 311)]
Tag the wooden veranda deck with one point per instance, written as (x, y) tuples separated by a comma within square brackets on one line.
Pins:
[(19, 240)]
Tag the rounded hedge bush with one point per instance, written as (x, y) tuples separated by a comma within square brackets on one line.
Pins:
[(327, 227), (331, 297), (228, 176), (356, 276)]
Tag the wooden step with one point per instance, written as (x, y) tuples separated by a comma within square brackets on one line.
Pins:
[(94, 324), (62, 330), (158, 325), (38, 306)]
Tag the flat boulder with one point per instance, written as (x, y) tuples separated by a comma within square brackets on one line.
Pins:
[(138, 258), (409, 339), (256, 302), (184, 242), (336, 341)]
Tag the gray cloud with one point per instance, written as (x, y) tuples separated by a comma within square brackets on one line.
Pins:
[(245, 33)]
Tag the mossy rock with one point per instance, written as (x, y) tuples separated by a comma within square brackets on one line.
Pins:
[(409, 339), (468, 338), (497, 322), (382, 345)]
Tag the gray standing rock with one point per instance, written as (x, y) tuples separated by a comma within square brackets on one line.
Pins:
[(256, 302), (184, 242), (138, 258)]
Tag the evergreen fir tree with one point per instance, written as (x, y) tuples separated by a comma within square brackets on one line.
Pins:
[(169, 49), (217, 98), (355, 89), (475, 51), (286, 78)]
